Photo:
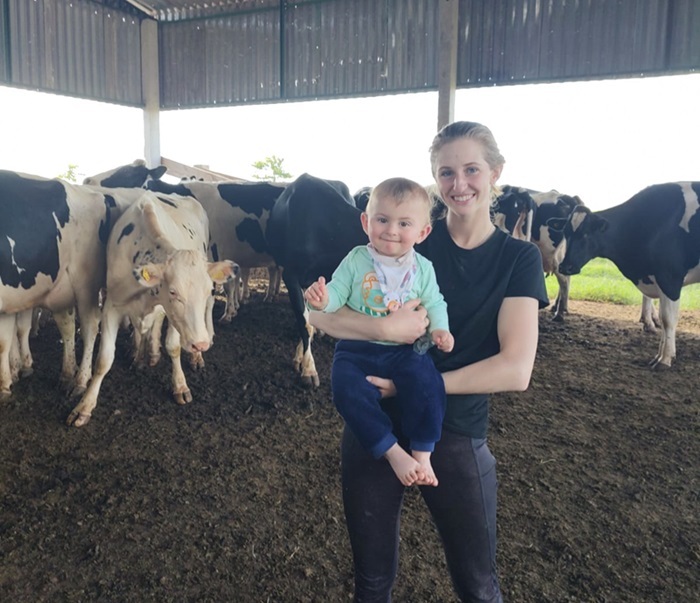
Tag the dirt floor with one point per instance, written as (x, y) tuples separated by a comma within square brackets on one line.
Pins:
[(235, 497)]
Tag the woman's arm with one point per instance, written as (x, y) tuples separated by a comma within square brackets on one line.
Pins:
[(403, 326), (509, 370)]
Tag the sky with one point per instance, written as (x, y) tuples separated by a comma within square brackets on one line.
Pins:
[(602, 141)]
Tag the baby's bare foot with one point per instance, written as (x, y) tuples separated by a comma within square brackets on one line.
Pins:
[(423, 458), (407, 469)]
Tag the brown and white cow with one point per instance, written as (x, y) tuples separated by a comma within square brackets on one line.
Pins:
[(654, 240), (157, 256)]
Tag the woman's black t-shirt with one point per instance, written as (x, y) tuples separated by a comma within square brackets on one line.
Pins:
[(474, 283)]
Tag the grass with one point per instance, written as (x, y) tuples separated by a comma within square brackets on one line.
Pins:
[(601, 281)]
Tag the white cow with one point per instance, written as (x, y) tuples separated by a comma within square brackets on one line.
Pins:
[(157, 256)]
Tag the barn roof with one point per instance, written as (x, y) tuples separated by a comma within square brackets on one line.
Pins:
[(228, 52)]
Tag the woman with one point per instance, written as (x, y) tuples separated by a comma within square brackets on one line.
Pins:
[(494, 286)]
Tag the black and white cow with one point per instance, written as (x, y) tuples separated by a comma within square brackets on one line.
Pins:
[(133, 175), (238, 214), (157, 259), (313, 225), (654, 240), (516, 207), (52, 255)]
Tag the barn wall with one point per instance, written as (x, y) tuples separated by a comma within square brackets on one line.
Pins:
[(526, 41), (325, 49), (78, 48), (343, 48)]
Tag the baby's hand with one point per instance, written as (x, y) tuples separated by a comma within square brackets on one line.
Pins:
[(443, 340), (317, 294)]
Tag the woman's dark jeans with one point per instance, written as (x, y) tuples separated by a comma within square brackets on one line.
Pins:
[(463, 507)]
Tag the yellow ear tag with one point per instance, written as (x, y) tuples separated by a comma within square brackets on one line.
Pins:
[(218, 275), (145, 275)]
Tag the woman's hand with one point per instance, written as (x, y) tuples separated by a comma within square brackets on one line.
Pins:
[(386, 387), (406, 324)]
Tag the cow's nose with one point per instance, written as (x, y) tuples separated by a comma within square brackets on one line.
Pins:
[(201, 346)]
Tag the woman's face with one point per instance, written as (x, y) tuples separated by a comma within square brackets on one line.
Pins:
[(464, 178)]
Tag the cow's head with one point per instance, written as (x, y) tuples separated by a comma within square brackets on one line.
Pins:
[(134, 175), (183, 286), (582, 231), (513, 212)]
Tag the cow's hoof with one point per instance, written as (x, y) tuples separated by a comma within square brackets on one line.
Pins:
[(5, 394), (226, 319), (660, 366), (77, 419), (153, 360), (310, 381), (26, 372), (183, 398), (558, 318)]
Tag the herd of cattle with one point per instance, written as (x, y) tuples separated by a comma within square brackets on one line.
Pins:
[(126, 246)]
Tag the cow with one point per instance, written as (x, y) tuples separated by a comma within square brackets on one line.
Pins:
[(361, 197), (157, 256), (238, 214), (654, 240), (52, 255), (513, 207), (313, 225), (133, 175), (513, 212)]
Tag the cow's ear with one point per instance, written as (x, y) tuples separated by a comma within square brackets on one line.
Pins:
[(598, 224), (157, 173), (557, 224), (222, 272), (149, 275)]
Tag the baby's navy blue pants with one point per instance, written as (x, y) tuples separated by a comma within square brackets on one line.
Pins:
[(420, 392)]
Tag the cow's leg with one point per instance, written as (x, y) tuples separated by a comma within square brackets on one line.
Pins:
[(650, 316), (8, 334), (232, 289), (561, 305), (65, 321), (89, 318), (245, 290), (81, 414), (273, 288), (24, 328), (181, 392), (668, 312), (303, 359), (151, 329), (37, 321)]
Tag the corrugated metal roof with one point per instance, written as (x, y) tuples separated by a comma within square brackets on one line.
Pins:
[(79, 48), (215, 52)]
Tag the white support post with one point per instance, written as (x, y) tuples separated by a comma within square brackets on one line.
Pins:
[(447, 70), (150, 84)]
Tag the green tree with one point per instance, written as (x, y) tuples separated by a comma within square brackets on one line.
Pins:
[(270, 169), (71, 173)]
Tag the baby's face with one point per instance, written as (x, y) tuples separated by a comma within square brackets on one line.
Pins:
[(393, 229)]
